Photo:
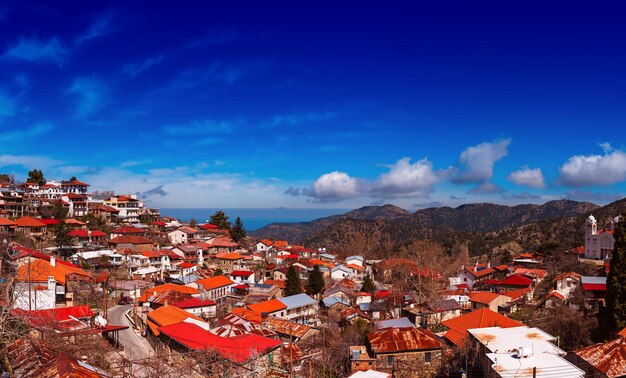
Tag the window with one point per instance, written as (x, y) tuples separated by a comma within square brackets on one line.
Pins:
[(427, 357), (389, 360)]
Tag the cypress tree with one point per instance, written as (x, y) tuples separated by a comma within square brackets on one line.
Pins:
[(616, 282), (368, 284), (293, 285), (315, 283), (238, 232)]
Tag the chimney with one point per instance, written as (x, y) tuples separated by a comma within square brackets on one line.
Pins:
[(53, 261)]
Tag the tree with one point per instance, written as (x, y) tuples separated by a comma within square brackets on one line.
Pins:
[(220, 219), (73, 178), (218, 272), (368, 284), (315, 282), (293, 285), (62, 237), (615, 311), (36, 176), (6, 178), (193, 222), (238, 232)]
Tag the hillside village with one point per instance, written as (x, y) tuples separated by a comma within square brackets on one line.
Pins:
[(100, 285)]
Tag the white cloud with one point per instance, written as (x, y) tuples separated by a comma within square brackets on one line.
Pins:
[(28, 161), (486, 188), (589, 170), (334, 186), (530, 177), (478, 161), (406, 179)]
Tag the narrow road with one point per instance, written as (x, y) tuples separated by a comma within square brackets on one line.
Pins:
[(135, 346)]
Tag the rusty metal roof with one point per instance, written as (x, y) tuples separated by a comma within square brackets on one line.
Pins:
[(404, 339), (609, 358)]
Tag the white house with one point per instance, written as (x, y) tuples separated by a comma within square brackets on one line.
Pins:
[(216, 287), (39, 285), (340, 272), (300, 308), (598, 244), (263, 245), (199, 307), (242, 276), (356, 260), (181, 236)]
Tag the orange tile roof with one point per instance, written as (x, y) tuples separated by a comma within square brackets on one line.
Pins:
[(270, 306), (28, 222), (279, 283), (518, 293), (608, 358), (38, 271), (573, 275), (211, 283), (166, 315), (229, 256), (165, 287), (481, 318), (6, 222), (356, 267), (480, 270), (249, 315), (484, 297)]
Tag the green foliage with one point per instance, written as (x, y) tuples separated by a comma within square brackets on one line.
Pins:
[(293, 285), (220, 219), (368, 284), (6, 178), (218, 272), (315, 282), (36, 176), (62, 236), (73, 178), (549, 248), (193, 222), (238, 232), (616, 283)]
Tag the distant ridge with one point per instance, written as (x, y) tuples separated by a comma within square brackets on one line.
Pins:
[(484, 225)]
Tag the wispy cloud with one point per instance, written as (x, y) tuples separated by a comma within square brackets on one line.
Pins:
[(292, 119), (28, 161), (202, 127), (134, 69), (101, 26), (91, 95), (34, 49), (26, 133)]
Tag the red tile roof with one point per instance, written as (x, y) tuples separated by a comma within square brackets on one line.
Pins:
[(82, 233), (608, 358), (50, 222), (237, 348), (194, 302), (241, 273), (56, 315), (128, 230), (480, 270), (214, 282), (29, 222), (594, 287), (481, 318), (484, 297), (391, 340), (516, 280), (209, 226), (186, 265)]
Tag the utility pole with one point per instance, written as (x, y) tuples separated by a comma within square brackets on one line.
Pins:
[(290, 350)]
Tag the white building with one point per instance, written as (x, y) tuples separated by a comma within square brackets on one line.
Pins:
[(300, 308), (505, 352), (598, 244), (356, 260)]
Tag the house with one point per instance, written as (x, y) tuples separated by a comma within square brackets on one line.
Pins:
[(598, 244), (228, 262), (355, 260), (594, 290), (242, 276), (164, 316), (273, 307), (87, 237), (189, 253), (505, 352), (158, 259), (181, 235), (152, 292), (6, 225), (482, 318), (300, 308), (286, 329), (340, 272), (567, 283), (102, 211), (553, 299), (492, 301), (137, 243), (97, 258), (216, 287), (602, 360), (148, 273), (41, 284), (126, 231), (263, 246), (432, 314), (472, 275), (131, 288), (221, 244), (30, 226), (128, 207), (204, 308), (409, 351)]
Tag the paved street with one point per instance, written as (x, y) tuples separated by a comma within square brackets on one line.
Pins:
[(135, 346)]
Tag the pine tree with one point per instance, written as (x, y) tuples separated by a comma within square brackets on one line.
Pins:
[(293, 285), (36, 176), (315, 282), (616, 282), (220, 219), (62, 238), (237, 232), (218, 272), (368, 284)]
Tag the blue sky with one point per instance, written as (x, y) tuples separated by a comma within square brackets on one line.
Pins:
[(207, 104)]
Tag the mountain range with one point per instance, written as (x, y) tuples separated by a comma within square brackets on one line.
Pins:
[(484, 226)]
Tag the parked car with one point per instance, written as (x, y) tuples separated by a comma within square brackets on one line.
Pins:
[(125, 301)]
